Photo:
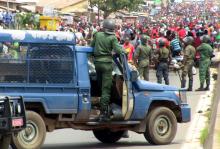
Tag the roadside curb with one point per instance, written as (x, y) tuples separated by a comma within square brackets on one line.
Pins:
[(199, 122), (216, 129), (216, 140)]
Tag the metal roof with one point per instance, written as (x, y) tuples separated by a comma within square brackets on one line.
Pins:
[(44, 37)]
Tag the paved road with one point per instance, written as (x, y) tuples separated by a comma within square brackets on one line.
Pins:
[(70, 139)]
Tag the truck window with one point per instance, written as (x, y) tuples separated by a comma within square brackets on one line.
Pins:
[(13, 65), (50, 64)]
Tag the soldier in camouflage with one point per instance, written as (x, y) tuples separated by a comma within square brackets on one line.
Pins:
[(164, 58), (142, 57), (104, 43), (206, 53), (188, 62)]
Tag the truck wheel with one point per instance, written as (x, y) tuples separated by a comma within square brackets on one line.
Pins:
[(33, 135), (108, 136), (161, 126), (5, 141)]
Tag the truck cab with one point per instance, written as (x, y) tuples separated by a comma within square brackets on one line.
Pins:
[(58, 82)]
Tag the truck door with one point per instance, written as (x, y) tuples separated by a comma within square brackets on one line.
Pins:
[(127, 97)]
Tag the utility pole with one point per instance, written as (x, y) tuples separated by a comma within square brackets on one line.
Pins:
[(7, 5)]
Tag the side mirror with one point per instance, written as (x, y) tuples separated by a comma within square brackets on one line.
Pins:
[(134, 75)]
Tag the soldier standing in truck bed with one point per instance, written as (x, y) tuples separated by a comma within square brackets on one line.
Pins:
[(104, 43)]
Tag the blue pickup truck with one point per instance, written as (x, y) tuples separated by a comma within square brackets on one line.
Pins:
[(59, 85)]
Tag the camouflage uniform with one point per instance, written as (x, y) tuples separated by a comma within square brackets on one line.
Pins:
[(205, 51), (104, 43), (163, 67), (142, 57), (188, 62)]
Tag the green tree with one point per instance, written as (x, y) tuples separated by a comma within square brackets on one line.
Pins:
[(110, 6), (23, 19)]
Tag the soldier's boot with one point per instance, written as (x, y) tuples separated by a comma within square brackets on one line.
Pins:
[(190, 86), (201, 88), (105, 114), (183, 83), (207, 84), (207, 87)]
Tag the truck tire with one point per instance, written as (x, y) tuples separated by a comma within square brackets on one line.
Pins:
[(108, 136), (33, 136), (5, 141), (161, 126)]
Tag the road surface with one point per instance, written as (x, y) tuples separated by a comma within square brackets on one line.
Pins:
[(77, 139)]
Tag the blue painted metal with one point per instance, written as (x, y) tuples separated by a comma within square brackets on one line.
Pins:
[(82, 72), (185, 113), (83, 80), (44, 37), (84, 49), (55, 99), (145, 98), (142, 85)]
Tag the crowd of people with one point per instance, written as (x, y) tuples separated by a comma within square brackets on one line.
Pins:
[(183, 30), (158, 39)]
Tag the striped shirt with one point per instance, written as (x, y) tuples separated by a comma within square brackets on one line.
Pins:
[(175, 44)]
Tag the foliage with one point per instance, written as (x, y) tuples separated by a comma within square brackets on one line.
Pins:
[(110, 6), (26, 19), (205, 131), (204, 135)]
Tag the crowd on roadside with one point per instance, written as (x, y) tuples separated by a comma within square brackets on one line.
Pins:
[(174, 26), (179, 18), (173, 23)]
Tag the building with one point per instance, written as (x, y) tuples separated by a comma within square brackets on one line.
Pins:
[(11, 5), (66, 6)]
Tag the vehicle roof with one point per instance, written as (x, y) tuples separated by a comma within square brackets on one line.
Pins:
[(43, 37)]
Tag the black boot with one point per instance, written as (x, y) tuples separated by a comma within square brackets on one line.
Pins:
[(189, 89), (183, 83), (201, 87), (190, 86), (105, 114), (207, 87)]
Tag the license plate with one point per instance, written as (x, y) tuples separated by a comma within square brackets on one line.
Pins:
[(17, 122)]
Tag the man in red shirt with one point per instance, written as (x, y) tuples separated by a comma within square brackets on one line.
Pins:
[(197, 41), (181, 32), (129, 48)]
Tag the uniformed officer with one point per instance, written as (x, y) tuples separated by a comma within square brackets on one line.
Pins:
[(142, 57), (163, 62), (104, 43), (188, 62), (206, 53)]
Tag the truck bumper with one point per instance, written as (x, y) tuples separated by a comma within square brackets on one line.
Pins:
[(185, 113)]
